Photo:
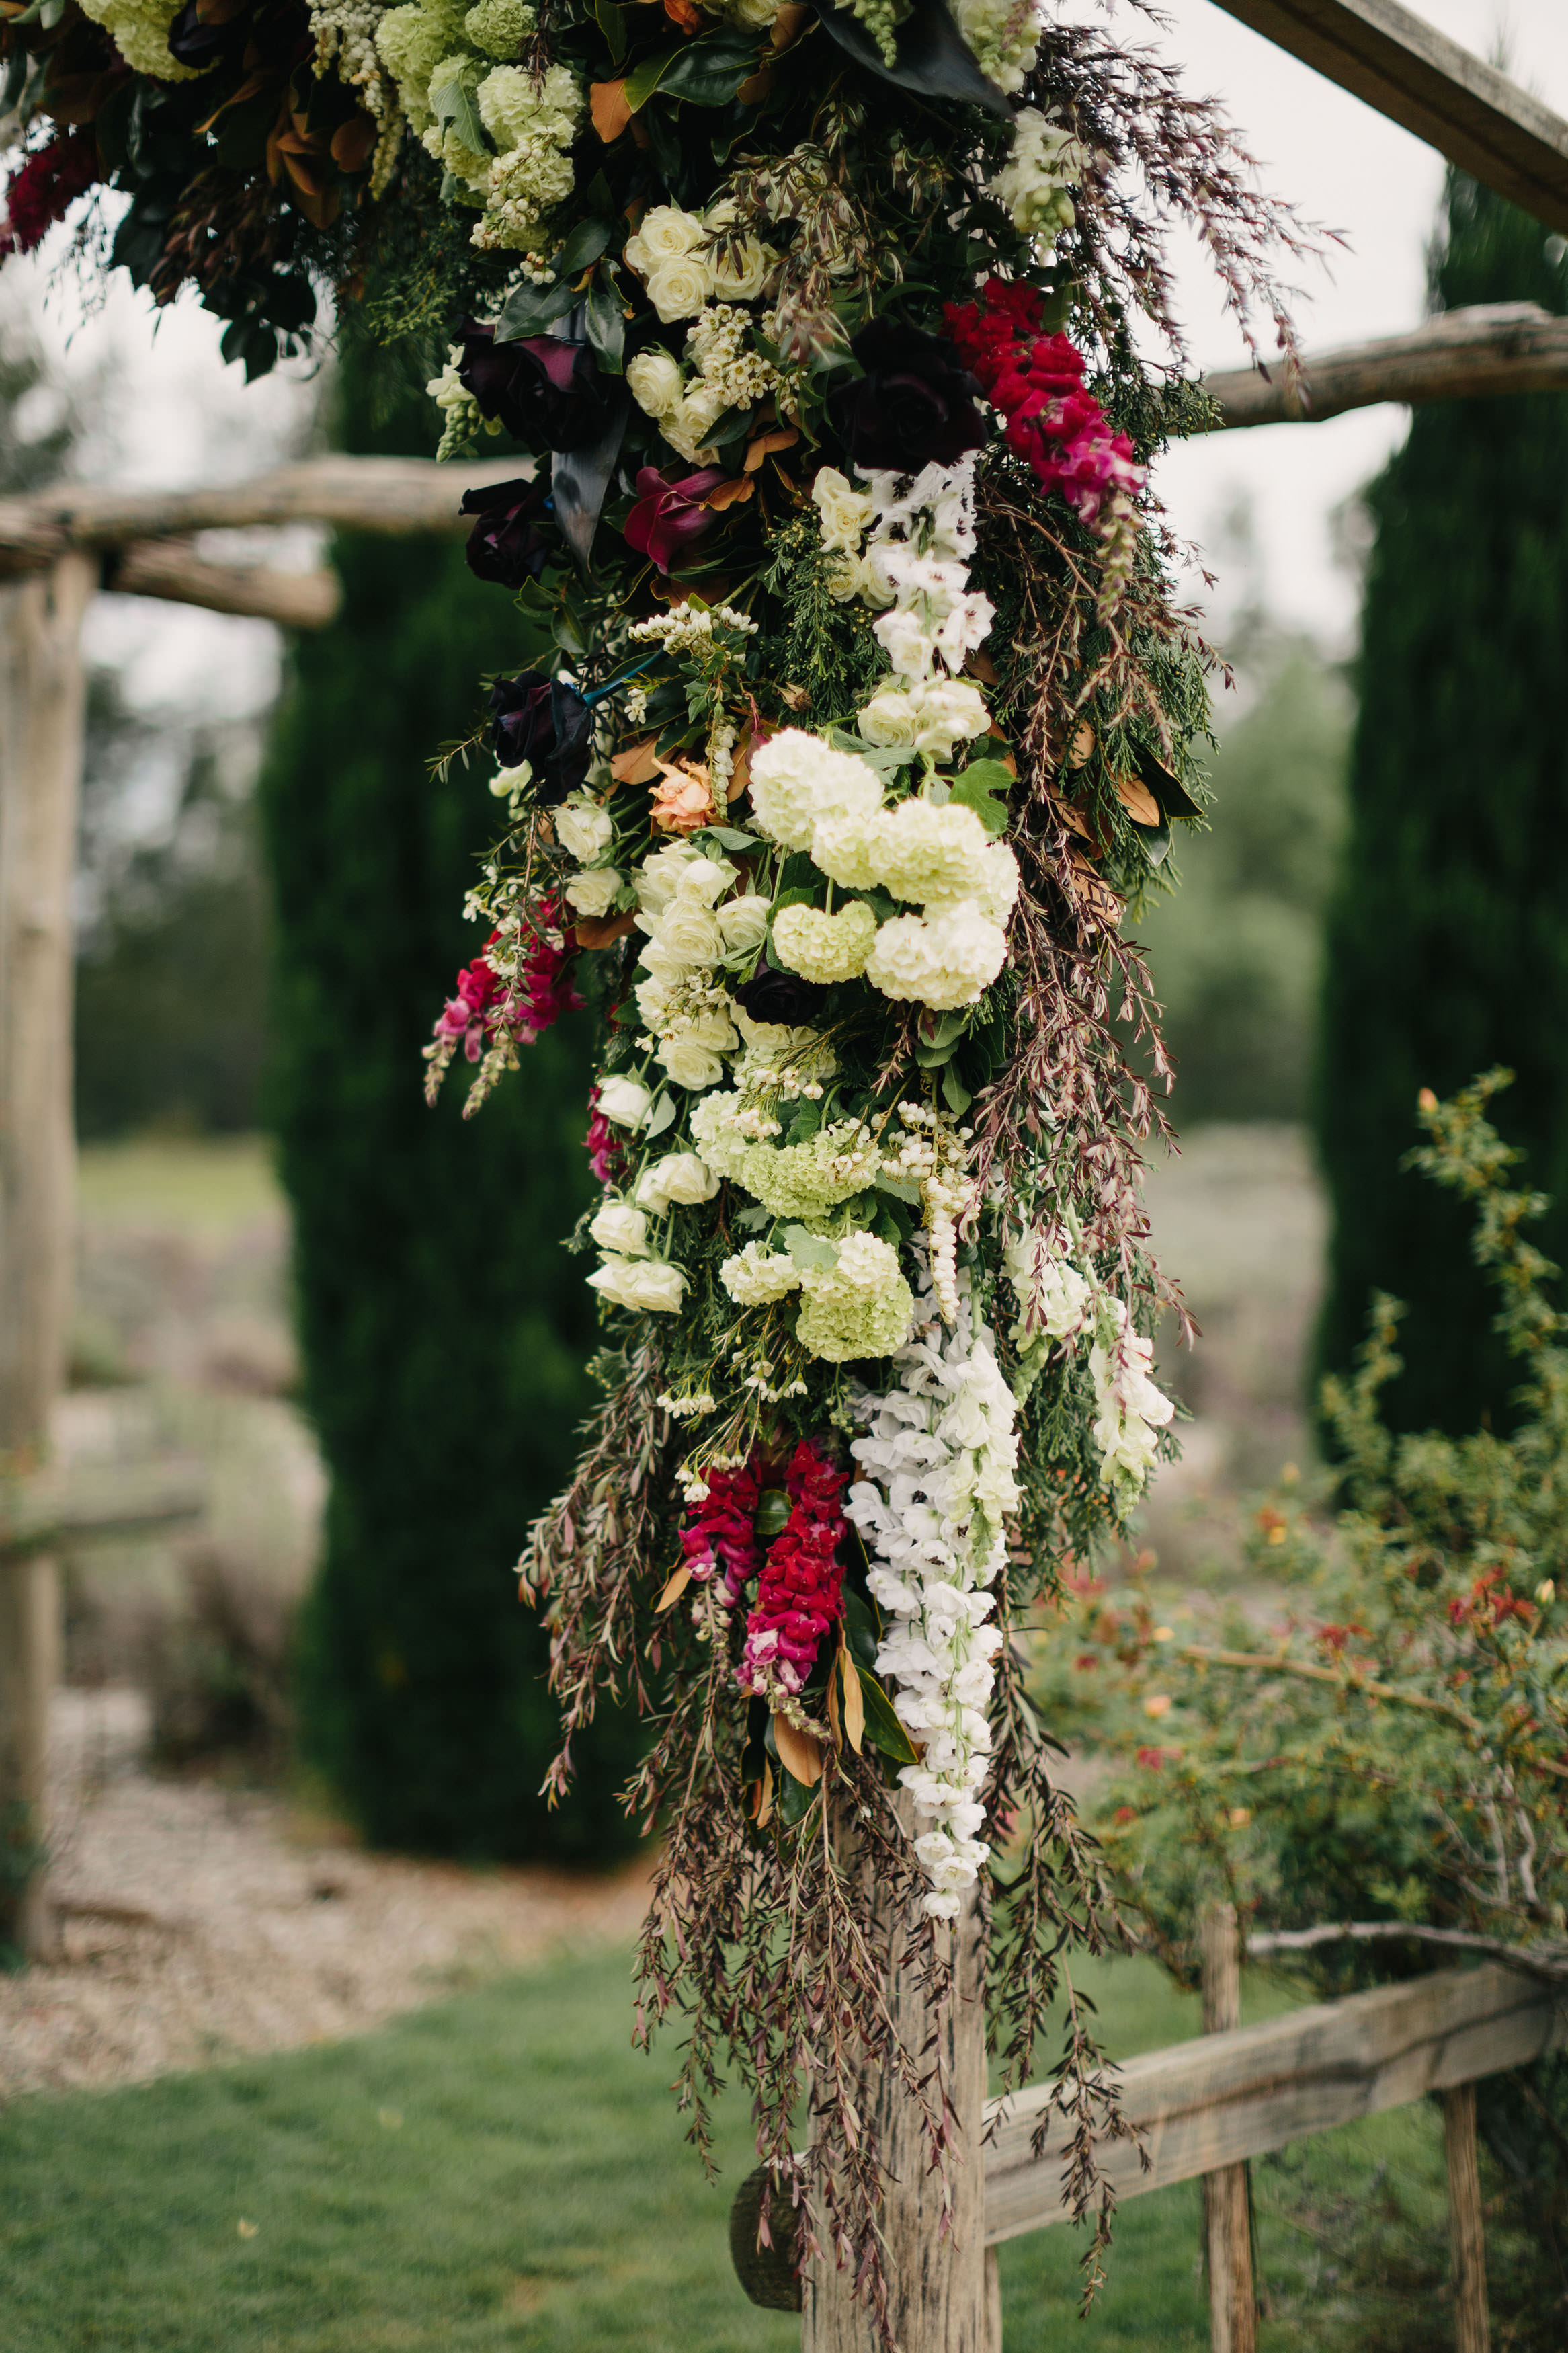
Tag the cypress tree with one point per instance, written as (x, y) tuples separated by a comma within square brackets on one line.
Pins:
[(1447, 935), (444, 1331)]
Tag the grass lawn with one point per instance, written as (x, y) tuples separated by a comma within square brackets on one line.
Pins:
[(209, 1184), (503, 2171)]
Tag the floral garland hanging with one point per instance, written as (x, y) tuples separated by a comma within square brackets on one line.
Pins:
[(852, 712)]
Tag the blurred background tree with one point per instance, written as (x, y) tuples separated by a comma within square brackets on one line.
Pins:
[(1447, 948), (444, 1332)]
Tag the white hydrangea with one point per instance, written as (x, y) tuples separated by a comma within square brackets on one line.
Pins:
[(859, 1307), (822, 947), (797, 779), (939, 1456), (926, 854), (848, 847), (943, 960), (755, 1277)]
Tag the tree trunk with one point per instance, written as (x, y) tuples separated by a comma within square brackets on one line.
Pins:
[(939, 2302), (41, 716)]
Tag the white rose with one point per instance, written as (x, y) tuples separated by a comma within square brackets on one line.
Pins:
[(618, 1226), (625, 1100), (689, 1063), (743, 923), (664, 235), (681, 1177), (846, 513), (889, 718), (583, 829), (594, 894), (678, 289), (649, 1284), (686, 930), (739, 272), (654, 380)]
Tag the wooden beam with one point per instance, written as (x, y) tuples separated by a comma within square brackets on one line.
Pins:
[(1429, 85), (171, 569), (1467, 2224), (51, 1514), (1227, 2193), (1491, 348), (42, 702), (1222, 2098), (402, 496)]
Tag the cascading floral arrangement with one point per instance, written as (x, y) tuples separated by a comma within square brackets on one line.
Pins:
[(854, 712)]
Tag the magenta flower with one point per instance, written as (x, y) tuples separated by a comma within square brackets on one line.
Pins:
[(800, 1593)]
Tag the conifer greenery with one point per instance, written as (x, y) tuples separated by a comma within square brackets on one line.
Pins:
[(1448, 948), (444, 1330)]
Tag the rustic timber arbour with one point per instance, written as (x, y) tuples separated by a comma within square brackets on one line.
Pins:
[(851, 713)]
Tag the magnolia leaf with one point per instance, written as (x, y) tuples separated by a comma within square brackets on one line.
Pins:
[(606, 326), (533, 310), (580, 478), (771, 1516), (1173, 799), (854, 1700), (613, 25), (584, 244), (931, 55), (679, 1578), (710, 70), (883, 1729), (1137, 800), (800, 1752), (765, 1795)]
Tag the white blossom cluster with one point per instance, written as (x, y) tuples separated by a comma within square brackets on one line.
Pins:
[(686, 626), (1005, 37), (938, 1459), (1033, 184), (344, 34), (1057, 1302)]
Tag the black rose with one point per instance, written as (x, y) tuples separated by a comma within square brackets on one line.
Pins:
[(506, 545), (538, 719), (913, 406), (546, 391), (770, 995), (197, 40)]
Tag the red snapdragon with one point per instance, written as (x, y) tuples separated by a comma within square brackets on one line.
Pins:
[(720, 1530), (487, 1008), (1037, 382), (800, 1593)]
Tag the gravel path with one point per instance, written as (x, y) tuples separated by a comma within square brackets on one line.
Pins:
[(198, 1922)]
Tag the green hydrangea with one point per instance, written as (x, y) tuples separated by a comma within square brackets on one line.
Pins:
[(859, 1307), (805, 1180), (412, 41), (500, 28)]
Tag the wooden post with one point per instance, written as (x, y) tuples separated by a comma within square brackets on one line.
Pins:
[(42, 695), (1227, 2211), (939, 2302), (1472, 2328)]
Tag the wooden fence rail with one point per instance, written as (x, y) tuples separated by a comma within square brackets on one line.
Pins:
[(1199, 2106)]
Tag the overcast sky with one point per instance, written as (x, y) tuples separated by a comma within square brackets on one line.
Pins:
[(178, 414)]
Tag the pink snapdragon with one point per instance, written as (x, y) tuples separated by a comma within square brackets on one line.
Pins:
[(496, 1009), (800, 1593), (720, 1529)]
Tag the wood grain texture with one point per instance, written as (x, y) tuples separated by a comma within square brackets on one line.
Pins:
[(1429, 85), (1216, 2101), (402, 496), (42, 698), (1467, 2228), (171, 569), (1227, 2194), (938, 2279), (1487, 351)]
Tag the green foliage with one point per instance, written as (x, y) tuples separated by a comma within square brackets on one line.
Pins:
[(1395, 1753), (1235, 954), (1447, 949), (444, 1331), (171, 990)]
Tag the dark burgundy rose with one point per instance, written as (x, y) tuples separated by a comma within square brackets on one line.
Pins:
[(669, 516), (546, 391), (538, 719), (914, 406), (506, 545), (770, 995), (197, 40)]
